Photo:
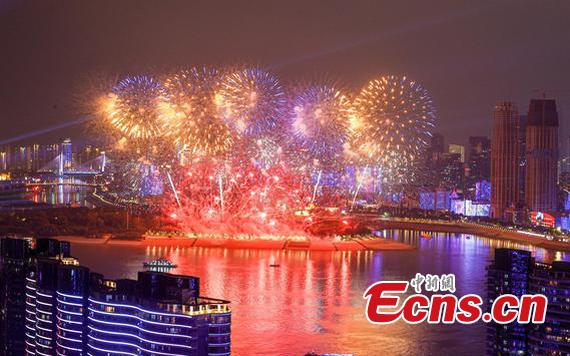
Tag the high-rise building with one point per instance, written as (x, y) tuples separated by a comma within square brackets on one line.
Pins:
[(458, 149), (437, 144), (522, 156), (61, 308), (541, 189), (434, 155), (508, 274), (452, 171), (479, 167), (515, 272), (14, 264), (66, 155), (505, 168), (552, 337)]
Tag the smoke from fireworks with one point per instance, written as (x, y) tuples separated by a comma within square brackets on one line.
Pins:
[(189, 112), (132, 107), (251, 101), (255, 156), (237, 198), (395, 120), (320, 122)]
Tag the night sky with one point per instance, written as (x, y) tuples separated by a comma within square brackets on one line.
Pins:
[(468, 54)]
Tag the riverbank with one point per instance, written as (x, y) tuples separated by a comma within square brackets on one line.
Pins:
[(323, 244), (308, 244), (470, 228)]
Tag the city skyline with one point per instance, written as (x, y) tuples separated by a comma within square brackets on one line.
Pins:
[(198, 178)]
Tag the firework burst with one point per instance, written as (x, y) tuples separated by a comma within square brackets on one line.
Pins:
[(131, 108), (189, 113), (395, 118), (320, 123), (251, 101)]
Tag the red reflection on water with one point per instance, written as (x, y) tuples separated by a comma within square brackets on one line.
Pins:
[(313, 300)]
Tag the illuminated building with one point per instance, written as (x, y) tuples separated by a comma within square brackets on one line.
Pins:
[(452, 171), (458, 149), (66, 156), (64, 309), (508, 274), (439, 199), (522, 156), (515, 272), (478, 163), (541, 156), (505, 156), (130, 316), (552, 337), (15, 261), (434, 159)]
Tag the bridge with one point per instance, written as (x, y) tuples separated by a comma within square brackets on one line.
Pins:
[(63, 166)]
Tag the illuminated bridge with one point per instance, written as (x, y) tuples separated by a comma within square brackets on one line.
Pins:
[(63, 166)]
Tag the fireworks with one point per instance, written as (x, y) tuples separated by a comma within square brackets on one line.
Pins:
[(320, 122), (251, 101), (132, 107), (395, 120), (190, 115), (249, 157), (237, 198)]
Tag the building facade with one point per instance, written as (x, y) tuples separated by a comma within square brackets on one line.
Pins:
[(16, 260), (515, 272), (67, 310), (541, 190), (478, 163), (505, 169)]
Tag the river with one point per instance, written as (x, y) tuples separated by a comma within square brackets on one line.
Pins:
[(313, 301)]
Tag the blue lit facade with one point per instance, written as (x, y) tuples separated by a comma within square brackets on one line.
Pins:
[(508, 274), (515, 272), (552, 337), (137, 317), (15, 257), (71, 311)]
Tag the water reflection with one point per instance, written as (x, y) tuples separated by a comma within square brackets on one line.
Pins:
[(313, 300), (61, 195)]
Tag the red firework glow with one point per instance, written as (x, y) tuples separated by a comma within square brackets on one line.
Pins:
[(239, 198)]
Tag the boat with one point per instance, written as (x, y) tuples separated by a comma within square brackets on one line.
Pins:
[(274, 265), (425, 235), (159, 263)]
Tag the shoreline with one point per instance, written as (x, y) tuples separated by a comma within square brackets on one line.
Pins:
[(315, 244), (320, 244), (472, 229)]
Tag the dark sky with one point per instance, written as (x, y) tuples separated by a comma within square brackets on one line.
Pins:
[(468, 54)]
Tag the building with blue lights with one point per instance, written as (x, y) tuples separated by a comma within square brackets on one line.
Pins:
[(516, 272), (68, 310)]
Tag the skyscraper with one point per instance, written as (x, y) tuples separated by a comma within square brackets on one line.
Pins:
[(53, 306), (66, 156), (478, 162), (459, 149), (434, 157), (508, 274), (452, 172), (505, 168), (515, 272), (541, 155), (15, 262)]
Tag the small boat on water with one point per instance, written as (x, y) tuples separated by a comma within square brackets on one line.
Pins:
[(425, 235), (159, 265), (274, 265)]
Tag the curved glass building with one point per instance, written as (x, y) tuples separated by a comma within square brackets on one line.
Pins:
[(159, 314), (72, 311)]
